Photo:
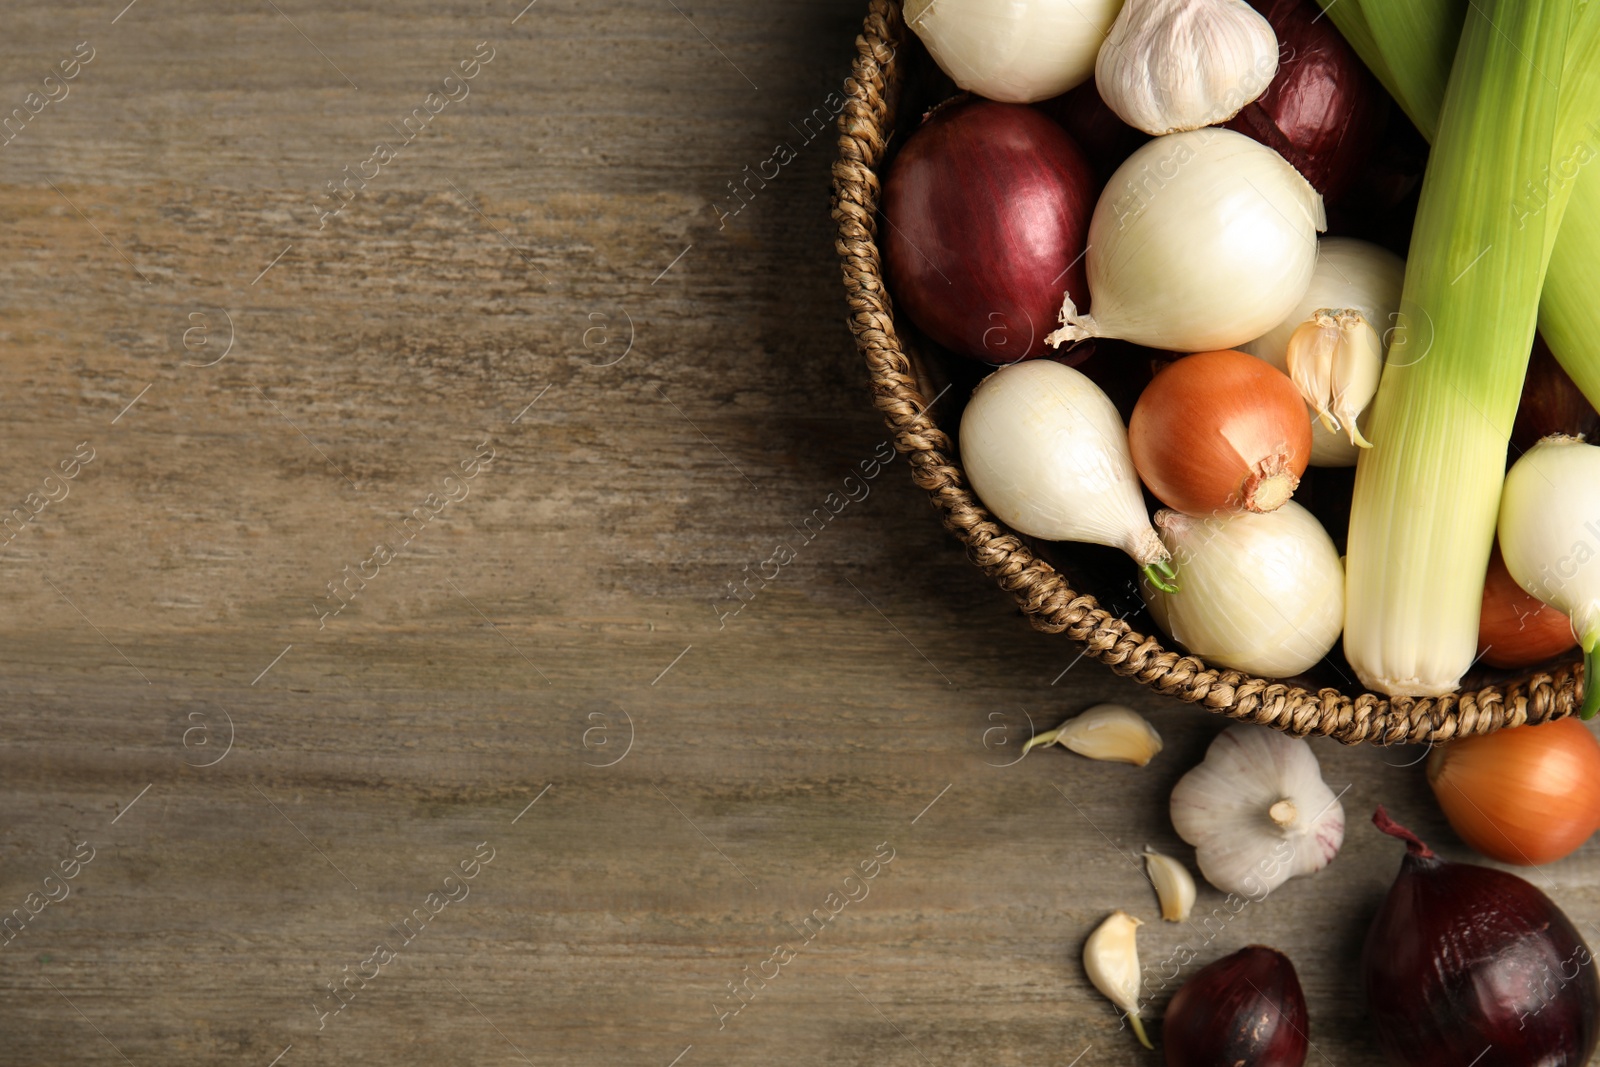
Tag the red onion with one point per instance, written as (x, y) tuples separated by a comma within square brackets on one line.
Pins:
[(1245, 1008), (1471, 965), (1551, 404), (1323, 111), (986, 215), (1104, 137)]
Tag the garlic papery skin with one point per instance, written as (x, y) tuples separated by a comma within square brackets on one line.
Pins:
[(1200, 241), (1046, 451), (1549, 533), (1257, 811), (1015, 51), (1105, 732), (1334, 359), (1174, 65), (1173, 883), (1262, 593), (1351, 275), (1111, 956)]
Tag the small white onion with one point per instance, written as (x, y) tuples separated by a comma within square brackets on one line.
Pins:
[(1046, 451), (1262, 593), (1350, 274), (1201, 241), (1016, 51)]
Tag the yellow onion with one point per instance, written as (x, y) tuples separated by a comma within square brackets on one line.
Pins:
[(1527, 795)]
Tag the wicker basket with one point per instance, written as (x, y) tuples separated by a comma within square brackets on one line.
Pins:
[(903, 384)]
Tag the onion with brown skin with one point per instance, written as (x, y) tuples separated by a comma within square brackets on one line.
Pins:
[(987, 218), (1220, 431), (1246, 1008), (1324, 112), (1470, 965), (1527, 795), (1516, 629)]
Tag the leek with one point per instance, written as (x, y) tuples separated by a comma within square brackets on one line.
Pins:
[(1569, 315), (1427, 494)]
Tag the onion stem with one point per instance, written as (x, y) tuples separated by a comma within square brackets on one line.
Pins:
[(1161, 575)]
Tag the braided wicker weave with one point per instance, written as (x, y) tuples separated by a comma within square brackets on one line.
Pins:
[(900, 392)]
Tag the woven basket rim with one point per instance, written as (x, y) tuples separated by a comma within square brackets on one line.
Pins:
[(866, 126)]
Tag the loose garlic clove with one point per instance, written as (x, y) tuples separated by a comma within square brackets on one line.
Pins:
[(1111, 957), (1174, 885), (1172, 65), (1257, 811), (1335, 358), (1105, 732)]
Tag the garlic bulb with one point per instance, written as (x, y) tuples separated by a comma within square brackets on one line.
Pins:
[(1046, 451), (1257, 811), (1111, 956), (1200, 241), (1352, 275), (1262, 593), (1105, 732), (1550, 539), (1171, 65), (1018, 51), (1174, 885)]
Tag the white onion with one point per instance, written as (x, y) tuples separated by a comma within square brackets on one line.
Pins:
[(1262, 593), (1046, 451), (1201, 241), (1016, 51), (1349, 274)]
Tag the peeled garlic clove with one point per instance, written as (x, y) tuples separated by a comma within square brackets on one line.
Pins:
[(1335, 358), (1173, 65), (1257, 811), (1111, 957), (1105, 732), (1174, 885)]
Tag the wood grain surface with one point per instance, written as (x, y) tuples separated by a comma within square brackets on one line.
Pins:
[(541, 284)]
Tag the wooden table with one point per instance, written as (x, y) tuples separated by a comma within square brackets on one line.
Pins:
[(289, 674)]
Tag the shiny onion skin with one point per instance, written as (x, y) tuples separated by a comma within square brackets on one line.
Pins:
[(1526, 795), (1470, 965), (1550, 403), (1516, 629), (1220, 431), (1246, 1008), (1102, 135), (1324, 112), (988, 208)]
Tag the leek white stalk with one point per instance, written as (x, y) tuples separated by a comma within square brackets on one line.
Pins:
[(1350, 275), (1171, 65), (1550, 537), (1018, 51), (1200, 241), (1046, 451), (1524, 84), (1262, 593)]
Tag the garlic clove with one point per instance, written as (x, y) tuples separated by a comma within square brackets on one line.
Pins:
[(1257, 811), (1111, 956), (1173, 65), (1335, 358), (1105, 732), (1174, 885)]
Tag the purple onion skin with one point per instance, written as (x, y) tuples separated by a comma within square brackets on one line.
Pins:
[(1102, 135), (988, 210), (1324, 111), (1472, 965), (1550, 403), (1246, 1008)]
